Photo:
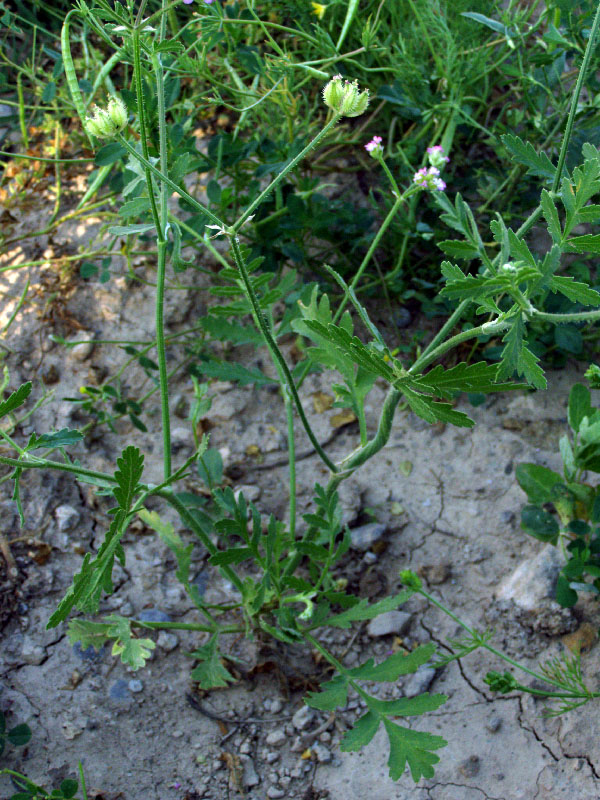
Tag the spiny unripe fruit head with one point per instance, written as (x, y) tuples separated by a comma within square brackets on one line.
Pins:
[(345, 98), (106, 123)]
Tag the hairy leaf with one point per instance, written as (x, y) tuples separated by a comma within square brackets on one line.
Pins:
[(524, 153), (62, 438), (361, 734), (210, 672), (16, 399), (362, 610), (134, 652), (332, 694), (576, 292), (413, 748), (398, 664), (95, 576), (130, 467)]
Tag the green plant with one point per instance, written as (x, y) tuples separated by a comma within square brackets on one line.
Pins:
[(575, 502), (28, 790), (18, 735), (283, 574)]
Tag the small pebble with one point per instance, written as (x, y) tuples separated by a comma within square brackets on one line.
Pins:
[(153, 615), (83, 350), (249, 776), (276, 738), (67, 518), (322, 754), (276, 705), (119, 690), (303, 718), (135, 686), (251, 493), (389, 622), (494, 724), (419, 682), (274, 793), (365, 536), (167, 641)]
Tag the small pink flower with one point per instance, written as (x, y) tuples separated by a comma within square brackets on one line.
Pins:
[(428, 178), (436, 156), (374, 146)]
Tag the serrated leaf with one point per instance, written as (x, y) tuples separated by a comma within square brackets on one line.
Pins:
[(413, 748), (210, 672), (576, 292), (458, 249), (432, 412), (133, 652), (62, 438), (524, 153), (588, 214), (16, 399), (332, 694), (551, 216), (226, 371), (362, 610), (130, 468), (397, 664), (88, 633), (407, 706), (94, 577), (225, 331), (478, 377), (361, 733)]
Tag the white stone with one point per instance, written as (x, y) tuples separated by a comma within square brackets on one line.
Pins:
[(303, 718), (395, 622), (67, 518)]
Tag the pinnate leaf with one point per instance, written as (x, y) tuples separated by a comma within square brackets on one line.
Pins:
[(134, 652), (334, 693), (95, 576), (576, 292), (210, 672), (361, 734), (413, 748), (397, 664), (16, 399), (524, 153), (130, 467), (62, 438), (362, 610)]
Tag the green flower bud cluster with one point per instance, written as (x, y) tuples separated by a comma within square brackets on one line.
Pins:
[(345, 98), (106, 123)]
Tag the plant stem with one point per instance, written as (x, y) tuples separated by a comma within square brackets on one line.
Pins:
[(171, 184), (188, 518), (162, 258), (276, 181), (384, 226), (481, 330), (274, 349), (577, 91)]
